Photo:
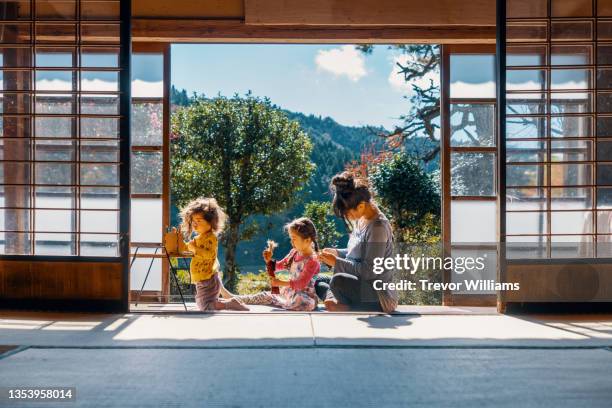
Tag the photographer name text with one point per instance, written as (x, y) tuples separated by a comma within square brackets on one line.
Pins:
[(427, 285)]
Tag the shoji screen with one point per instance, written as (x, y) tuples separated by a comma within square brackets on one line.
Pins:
[(558, 149), (64, 147)]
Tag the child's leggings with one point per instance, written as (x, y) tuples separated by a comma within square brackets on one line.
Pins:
[(298, 302), (261, 298)]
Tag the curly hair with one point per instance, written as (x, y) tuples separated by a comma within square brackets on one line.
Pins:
[(209, 209)]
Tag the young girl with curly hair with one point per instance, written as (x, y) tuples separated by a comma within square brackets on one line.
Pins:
[(206, 218)]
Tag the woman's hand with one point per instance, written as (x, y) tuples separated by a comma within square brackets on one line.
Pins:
[(333, 251), (329, 256), (267, 255)]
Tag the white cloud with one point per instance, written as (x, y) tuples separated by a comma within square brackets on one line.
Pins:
[(536, 86), (342, 61), (397, 81), (460, 89), (86, 85), (139, 88), (53, 85), (142, 88)]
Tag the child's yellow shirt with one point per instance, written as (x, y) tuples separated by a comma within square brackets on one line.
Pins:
[(204, 263)]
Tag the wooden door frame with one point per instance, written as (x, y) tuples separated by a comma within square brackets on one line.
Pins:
[(164, 49), (449, 298), (229, 32)]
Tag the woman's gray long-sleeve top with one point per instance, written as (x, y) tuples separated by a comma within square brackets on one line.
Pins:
[(373, 240)]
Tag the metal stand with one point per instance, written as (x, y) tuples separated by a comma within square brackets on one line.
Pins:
[(173, 272)]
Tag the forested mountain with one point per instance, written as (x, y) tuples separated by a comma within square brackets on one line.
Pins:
[(335, 145), (327, 129)]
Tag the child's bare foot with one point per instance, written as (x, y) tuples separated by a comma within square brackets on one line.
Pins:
[(235, 304), (332, 305), (226, 294)]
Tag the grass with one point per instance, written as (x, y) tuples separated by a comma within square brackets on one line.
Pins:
[(251, 282)]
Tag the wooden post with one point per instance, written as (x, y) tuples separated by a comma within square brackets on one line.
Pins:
[(166, 209), (16, 132), (445, 170)]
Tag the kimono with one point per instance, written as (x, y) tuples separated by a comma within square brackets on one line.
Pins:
[(300, 294)]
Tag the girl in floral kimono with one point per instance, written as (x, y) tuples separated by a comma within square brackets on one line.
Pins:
[(297, 293)]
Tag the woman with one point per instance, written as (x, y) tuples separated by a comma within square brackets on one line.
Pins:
[(351, 286)]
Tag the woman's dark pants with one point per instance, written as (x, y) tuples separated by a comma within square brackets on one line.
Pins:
[(349, 290)]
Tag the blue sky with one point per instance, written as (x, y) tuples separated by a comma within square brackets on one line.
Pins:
[(328, 80)]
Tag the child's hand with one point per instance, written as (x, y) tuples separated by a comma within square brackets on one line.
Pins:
[(267, 255), (278, 282), (191, 245)]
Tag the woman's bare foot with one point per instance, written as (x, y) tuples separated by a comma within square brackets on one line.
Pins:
[(235, 304), (332, 305)]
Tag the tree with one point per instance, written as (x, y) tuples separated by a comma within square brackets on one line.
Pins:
[(179, 98), (244, 152), (421, 121), (411, 197), (319, 213), (419, 132)]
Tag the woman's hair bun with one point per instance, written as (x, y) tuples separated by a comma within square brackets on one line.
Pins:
[(344, 182), (349, 190)]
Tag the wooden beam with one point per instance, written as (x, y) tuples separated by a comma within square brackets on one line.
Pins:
[(208, 31), (367, 12), (188, 9)]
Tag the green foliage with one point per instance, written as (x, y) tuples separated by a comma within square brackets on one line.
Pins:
[(251, 283), (410, 196), (320, 214), (351, 138), (179, 97), (335, 145), (244, 152), (418, 296), (255, 282), (183, 276)]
